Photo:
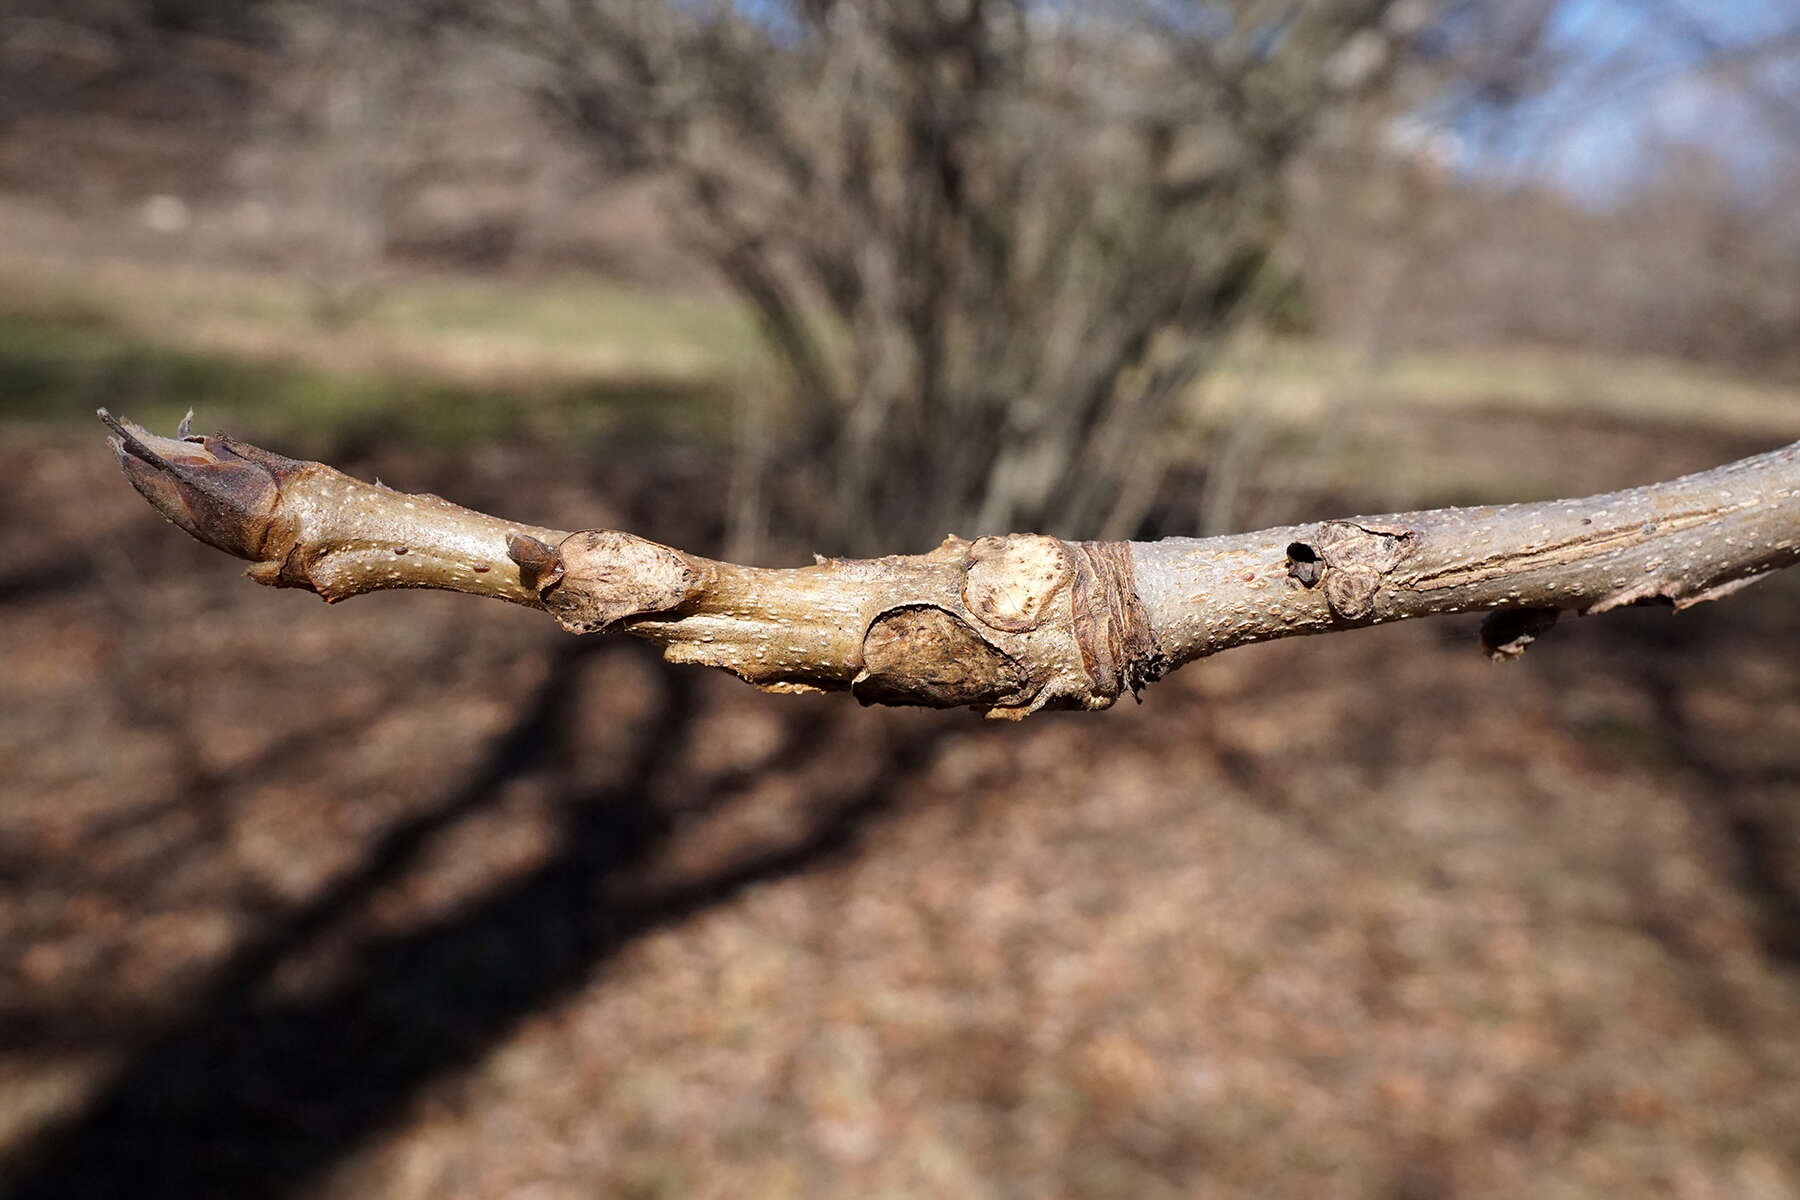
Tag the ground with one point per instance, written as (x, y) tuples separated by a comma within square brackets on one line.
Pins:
[(415, 896)]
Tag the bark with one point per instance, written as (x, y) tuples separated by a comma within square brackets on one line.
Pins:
[(1007, 625)]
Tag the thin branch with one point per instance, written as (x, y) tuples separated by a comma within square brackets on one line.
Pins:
[(1009, 624)]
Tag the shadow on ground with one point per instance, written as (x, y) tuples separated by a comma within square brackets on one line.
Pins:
[(253, 1095)]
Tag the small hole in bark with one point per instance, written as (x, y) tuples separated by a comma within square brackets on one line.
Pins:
[(1304, 564), (399, 549)]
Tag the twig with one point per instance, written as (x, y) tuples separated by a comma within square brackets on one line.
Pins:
[(1008, 624)]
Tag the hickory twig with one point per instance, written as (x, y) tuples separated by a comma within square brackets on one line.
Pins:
[(1008, 624)]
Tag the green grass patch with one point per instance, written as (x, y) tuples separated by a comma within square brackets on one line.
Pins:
[(459, 328), (61, 368), (575, 315)]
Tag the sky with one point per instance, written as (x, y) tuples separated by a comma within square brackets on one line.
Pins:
[(1631, 79), (1635, 76)]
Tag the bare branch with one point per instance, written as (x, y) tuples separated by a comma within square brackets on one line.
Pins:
[(1008, 624)]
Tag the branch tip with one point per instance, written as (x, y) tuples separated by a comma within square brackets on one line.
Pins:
[(219, 491)]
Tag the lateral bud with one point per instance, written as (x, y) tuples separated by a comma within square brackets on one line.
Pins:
[(1357, 557), (599, 577)]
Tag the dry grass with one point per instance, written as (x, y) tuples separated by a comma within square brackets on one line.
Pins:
[(1301, 383)]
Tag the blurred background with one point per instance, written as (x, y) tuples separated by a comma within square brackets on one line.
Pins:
[(418, 897)]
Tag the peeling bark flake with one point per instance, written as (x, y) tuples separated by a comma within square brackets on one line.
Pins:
[(1506, 632), (1119, 650)]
